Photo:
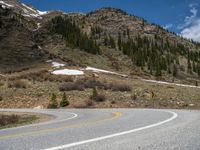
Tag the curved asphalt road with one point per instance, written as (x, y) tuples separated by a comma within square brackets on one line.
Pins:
[(107, 129)]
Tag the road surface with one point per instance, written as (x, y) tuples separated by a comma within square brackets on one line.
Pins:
[(107, 129)]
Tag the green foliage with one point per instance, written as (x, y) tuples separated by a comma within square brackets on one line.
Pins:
[(112, 42), (64, 102), (73, 35), (94, 93), (53, 102), (157, 54), (175, 70), (97, 97), (119, 42)]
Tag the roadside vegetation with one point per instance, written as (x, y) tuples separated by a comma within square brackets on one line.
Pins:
[(13, 120)]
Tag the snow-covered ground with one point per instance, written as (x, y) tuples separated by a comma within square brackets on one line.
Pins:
[(68, 72), (57, 65), (169, 83), (103, 71), (5, 5), (27, 10)]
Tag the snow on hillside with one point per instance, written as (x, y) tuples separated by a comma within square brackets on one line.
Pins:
[(57, 65), (27, 11), (68, 72), (168, 83), (5, 5), (103, 71)]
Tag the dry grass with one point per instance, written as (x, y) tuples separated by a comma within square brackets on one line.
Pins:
[(18, 84), (86, 83), (8, 119), (43, 75)]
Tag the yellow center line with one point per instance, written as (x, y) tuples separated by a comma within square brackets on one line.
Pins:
[(116, 115)]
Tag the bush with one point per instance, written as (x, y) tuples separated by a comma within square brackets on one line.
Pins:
[(80, 85), (8, 119), (53, 102), (17, 84), (97, 97), (1, 98), (65, 101), (43, 75), (121, 87), (100, 98), (94, 93), (70, 86)]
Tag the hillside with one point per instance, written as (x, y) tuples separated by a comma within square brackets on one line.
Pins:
[(151, 48), (37, 48)]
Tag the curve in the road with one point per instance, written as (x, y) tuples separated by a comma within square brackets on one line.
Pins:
[(174, 116), (74, 115), (116, 115)]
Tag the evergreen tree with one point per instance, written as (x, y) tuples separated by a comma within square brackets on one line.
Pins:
[(189, 66), (53, 102), (119, 42), (94, 93), (64, 102), (112, 42), (175, 70)]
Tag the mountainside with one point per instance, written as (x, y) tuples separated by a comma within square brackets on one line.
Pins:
[(103, 59), (108, 37)]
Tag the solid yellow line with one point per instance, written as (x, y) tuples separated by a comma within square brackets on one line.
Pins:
[(116, 116)]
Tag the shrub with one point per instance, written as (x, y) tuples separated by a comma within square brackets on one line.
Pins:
[(134, 97), (97, 97), (100, 98), (121, 87), (70, 86), (53, 102), (8, 119), (1, 98), (94, 93), (65, 101), (17, 84)]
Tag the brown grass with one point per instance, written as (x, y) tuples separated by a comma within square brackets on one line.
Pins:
[(8, 119), (83, 84), (43, 75), (17, 84)]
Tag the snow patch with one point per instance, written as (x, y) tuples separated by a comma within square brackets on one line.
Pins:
[(103, 71), (48, 61), (68, 72), (5, 4), (169, 83), (42, 12), (57, 65), (29, 8)]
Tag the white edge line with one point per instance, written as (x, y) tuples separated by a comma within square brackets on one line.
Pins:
[(175, 115), (42, 123)]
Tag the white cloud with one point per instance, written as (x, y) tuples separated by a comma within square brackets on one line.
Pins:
[(168, 26), (189, 19), (191, 27), (192, 32)]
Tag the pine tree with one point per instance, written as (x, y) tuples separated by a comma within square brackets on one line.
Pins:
[(53, 102), (94, 93), (175, 71), (119, 42), (158, 70), (189, 66), (112, 42), (194, 67), (64, 102)]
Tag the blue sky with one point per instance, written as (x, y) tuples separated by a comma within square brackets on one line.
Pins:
[(180, 16)]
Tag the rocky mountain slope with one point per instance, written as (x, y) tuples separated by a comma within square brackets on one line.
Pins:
[(108, 38)]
